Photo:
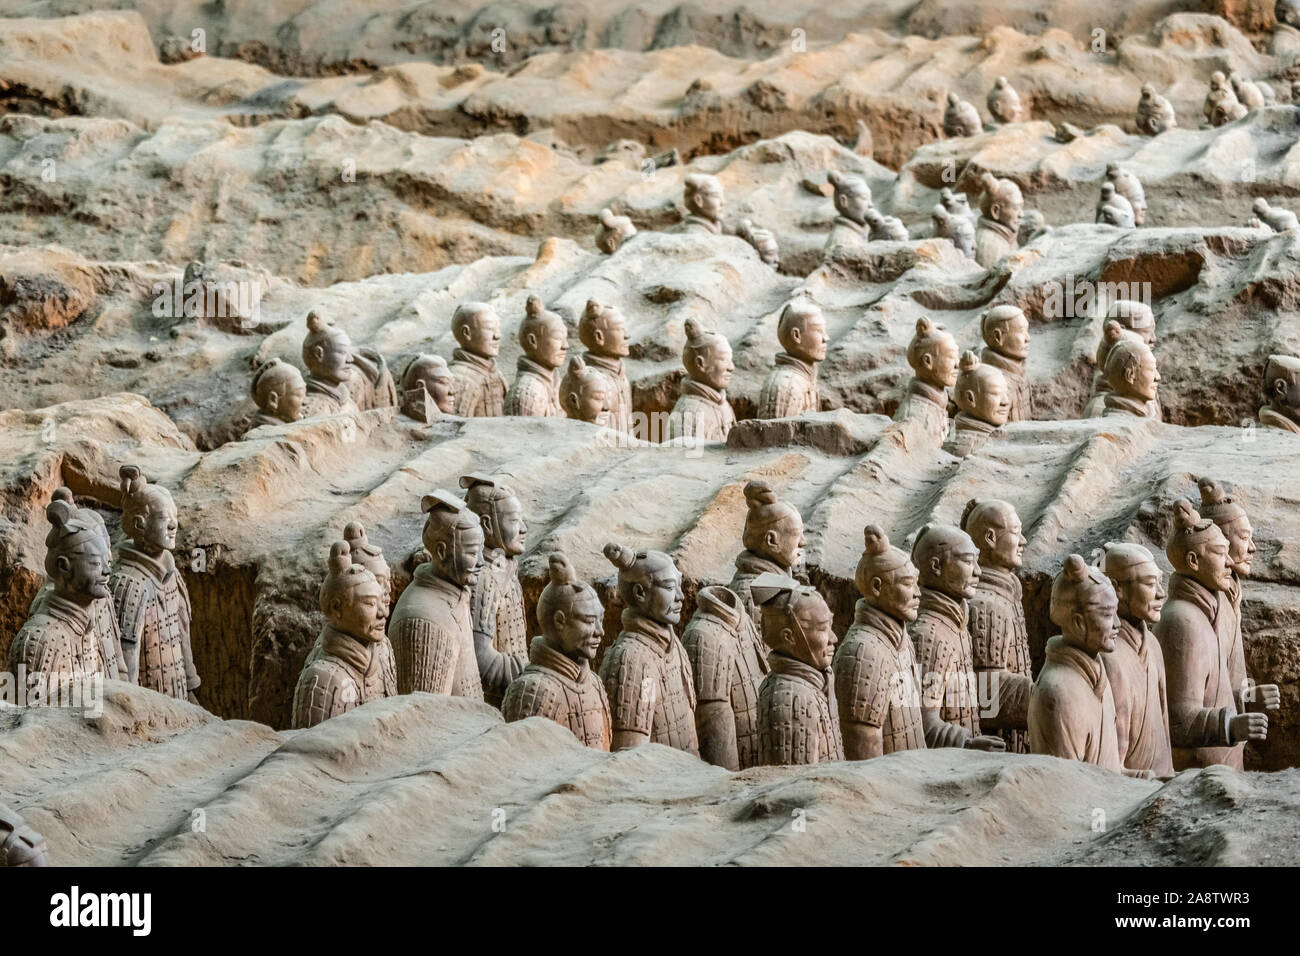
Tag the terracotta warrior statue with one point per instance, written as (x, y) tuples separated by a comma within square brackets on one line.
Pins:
[(645, 670), (338, 372), (604, 334), (1248, 94), (153, 604), (791, 386), (1154, 114), (798, 719), (702, 410), (59, 639), (428, 389), (20, 845), (558, 682), (585, 393), (957, 205), (431, 629), (1136, 318), (1218, 89), (1205, 727), (1032, 225), (961, 118), (1136, 666), (103, 616), (496, 605), (1004, 102), (1129, 187), (1001, 206), (1131, 375), (982, 402), (932, 354), (1236, 527), (1274, 217), (1282, 394), (703, 197), (948, 562), (545, 341), (728, 662), (614, 231), (480, 389), (774, 543), (279, 392), (852, 197), (1006, 347), (877, 680), (1072, 707), (1113, 208), (958, 229), (999, 635), (884, 228), (348, 670)]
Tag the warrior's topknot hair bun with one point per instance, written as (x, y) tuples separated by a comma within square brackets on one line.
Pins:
[(340, 557), (560, 572), (874, 540), (619, 556), (759, 493), (969, 361), (1076, 569)]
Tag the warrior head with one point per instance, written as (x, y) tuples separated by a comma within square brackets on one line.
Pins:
[(148, 512), (1232, 521), (1001, 201), (801, 330), (1137, 580), (77, 556), (1006, 331), (933, 354), (371, 557), (569, 612), (431, 373), (543, 335), (350, 597), (796, 620), (982, 391), (706, 356), (1083, 606), (584, 393), (1282, 385), (648, 582), (852, 196), (477, 329), (499, 511), (703, 196), (1130, 365), (773, 528), (995, 528), (326, 350), (278, 390), (1198, 549), (603, 331), (886, 577), (1136, 317), (947, 559), (453, 536)]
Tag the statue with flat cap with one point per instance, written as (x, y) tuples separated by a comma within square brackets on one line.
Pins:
[(1001, 207), (1154, 114), (791, 386), (877, 679), (1282, 394), (702, 410), (961, 118), (20, 845), (999, 635), (1205, 726), (279, 392), (646, 671), (948, 562), (428, 389), (798, 719), (1072, 707), (585, 393), (1006, 347), (774, 543), (1236, 527), (932, 353), (431, 629), (728, 663), (558, 682), (103, 616), (545, 340), (496, 605), (604, 334), (480, 389), (982, 403), (153, 604), (1135, 666), (59, 639), (346, 672), (852, 198), (1131, 375)]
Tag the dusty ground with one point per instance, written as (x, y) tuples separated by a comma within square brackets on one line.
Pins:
[(383, 170)]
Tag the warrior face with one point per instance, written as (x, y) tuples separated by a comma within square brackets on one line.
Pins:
[(548, 347), (1011, 337), (1208, 561), (706, 202), (938, 364), (807, 338), (989, 401), (608, 335), (362, 613), (330, 357), (897, 592), (1241, 543), (853, 204), (156, 532), (458, 555), (954, 569), (1094, 626), (504, 527), (1142, 594), (592, 403), (1003, 543), (784, 543), (713, 365), (662, 600), (814, 619), (480, 334), (578, 630), (84, 570), (1142, 376)]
